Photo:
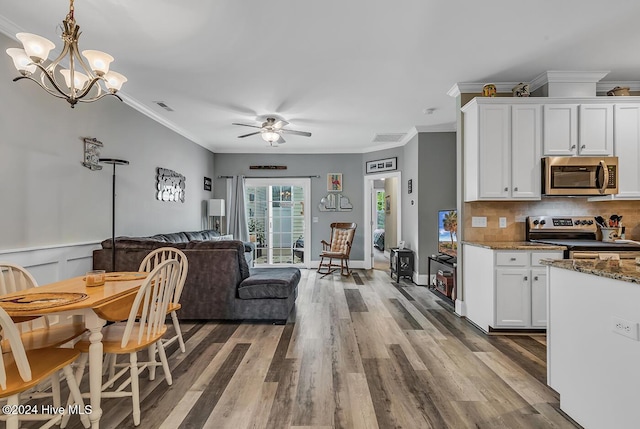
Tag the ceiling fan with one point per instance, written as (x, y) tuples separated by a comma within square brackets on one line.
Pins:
[(272, 130)]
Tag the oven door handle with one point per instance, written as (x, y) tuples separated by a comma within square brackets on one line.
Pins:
[(605, 176), (584, 255)]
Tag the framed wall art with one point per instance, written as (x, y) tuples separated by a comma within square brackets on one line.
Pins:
[(334, 182), (380, 165)]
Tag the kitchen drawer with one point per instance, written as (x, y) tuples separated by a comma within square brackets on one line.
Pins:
[(512, 259), (536, 256)]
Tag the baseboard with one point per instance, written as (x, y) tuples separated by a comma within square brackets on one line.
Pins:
[(421, 279)]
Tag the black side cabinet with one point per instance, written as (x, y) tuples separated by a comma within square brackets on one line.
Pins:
[(401, 263)]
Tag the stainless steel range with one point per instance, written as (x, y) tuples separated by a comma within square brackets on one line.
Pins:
[(579, 234)]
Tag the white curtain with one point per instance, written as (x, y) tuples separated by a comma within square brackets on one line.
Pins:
[(236, 215)]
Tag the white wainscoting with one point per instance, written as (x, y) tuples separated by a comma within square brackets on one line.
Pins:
[(49, 264)]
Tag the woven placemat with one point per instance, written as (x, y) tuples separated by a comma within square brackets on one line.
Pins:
[(40, 300), (123, 276)]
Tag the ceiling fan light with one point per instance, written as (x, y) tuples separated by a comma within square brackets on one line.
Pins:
[(79, 79), (36, 47), (114, 81), (21, 61), (98, 61), (270, 136)]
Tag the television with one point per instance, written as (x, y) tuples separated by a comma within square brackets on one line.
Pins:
[(448, 233)]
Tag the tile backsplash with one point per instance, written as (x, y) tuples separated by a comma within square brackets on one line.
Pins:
[(516, 211)]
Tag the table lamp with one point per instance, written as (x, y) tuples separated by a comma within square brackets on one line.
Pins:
[(216, 208)]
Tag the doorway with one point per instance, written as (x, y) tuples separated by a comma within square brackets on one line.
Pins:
[(392, 209), (278, 220)]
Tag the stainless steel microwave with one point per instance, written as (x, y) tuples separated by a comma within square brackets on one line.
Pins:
[(580, 175)]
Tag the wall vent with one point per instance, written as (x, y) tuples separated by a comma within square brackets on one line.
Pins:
[(164, 106), (389, 138)]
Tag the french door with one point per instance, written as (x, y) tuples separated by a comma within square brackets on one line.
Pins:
[(278, 219)]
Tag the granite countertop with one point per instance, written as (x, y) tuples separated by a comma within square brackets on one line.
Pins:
[(513, 245), (625, 270)]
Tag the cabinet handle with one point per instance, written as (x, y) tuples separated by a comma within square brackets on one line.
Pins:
[(506, 189), (515, 189), (573, 147), (526, 278), (535, 278), (512, 259), (583, 146)]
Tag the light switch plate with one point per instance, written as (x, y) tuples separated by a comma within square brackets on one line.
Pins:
[(479, 221), (503, 222)]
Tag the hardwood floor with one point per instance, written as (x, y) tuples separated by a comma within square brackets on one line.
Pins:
[(358, 352)]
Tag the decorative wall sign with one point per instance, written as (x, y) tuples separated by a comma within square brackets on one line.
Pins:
[(335, 203), (410, 186), (171, 185), (207, 183), (382, 165), (334, 182), (92, 153), (268, 167)]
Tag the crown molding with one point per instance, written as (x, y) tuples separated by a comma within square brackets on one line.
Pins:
[(438, 128), (9, 28), (568, 76)]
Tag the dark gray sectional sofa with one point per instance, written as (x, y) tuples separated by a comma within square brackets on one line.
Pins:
[(219, 284)]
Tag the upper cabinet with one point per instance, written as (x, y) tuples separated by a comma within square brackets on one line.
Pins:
[(502, 151), (505, 139), (578, 130)]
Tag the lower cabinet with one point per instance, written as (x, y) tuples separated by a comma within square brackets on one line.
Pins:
[(506, 289)]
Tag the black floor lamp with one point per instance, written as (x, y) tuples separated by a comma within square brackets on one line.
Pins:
[(113, 162)]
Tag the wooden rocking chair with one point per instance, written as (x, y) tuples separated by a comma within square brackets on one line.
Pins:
[(339, 247)]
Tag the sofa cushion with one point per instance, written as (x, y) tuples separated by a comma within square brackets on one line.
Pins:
[(194, 235), (225, 244), (208, 234), (175, 237), (269, 283), (139, 243)]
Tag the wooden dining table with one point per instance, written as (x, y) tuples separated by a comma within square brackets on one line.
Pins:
[(93, 305)]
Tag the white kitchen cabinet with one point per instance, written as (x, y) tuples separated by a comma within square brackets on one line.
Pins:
[(595, 133), (505, 289), (513, 297), (578, 129), (502, 151), (626, 146), (560, 135), (539, 297)]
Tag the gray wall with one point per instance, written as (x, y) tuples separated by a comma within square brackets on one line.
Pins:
[(350, 165), (48, 197), (410, 215), (437, 188)]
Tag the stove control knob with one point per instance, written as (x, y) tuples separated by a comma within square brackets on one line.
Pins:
[(589, 222), (535, 222), (542, 222), (579, 222)]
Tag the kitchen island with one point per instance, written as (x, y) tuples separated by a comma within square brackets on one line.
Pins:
[(593, 352)]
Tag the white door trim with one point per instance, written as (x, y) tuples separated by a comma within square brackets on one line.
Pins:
[(368, 204)]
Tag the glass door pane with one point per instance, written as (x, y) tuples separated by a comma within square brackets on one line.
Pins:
[(275, 214)]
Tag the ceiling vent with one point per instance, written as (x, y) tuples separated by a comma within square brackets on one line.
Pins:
[(389, 138), (164, 106)]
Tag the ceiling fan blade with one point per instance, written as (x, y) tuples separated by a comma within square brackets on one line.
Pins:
[(247, 125), (297, 133), (281, 140), (250, 134), (279, 124)]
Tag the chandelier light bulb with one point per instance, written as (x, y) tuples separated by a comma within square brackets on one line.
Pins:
[(114, 81), (36, 47), (98, 61), (79, 79), (21, 61)]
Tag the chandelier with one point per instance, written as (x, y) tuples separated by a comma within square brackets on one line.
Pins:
[(80, 82)]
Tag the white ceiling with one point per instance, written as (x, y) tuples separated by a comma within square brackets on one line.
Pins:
[(342, 70)]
